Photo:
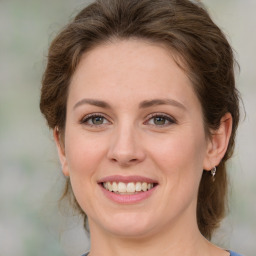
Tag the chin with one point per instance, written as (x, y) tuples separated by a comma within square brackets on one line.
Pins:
[(132, 231), (130, 225)]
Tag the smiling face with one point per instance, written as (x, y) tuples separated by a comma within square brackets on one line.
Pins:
[(135, 145)]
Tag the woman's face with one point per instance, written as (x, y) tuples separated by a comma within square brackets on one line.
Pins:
[(134, 125)]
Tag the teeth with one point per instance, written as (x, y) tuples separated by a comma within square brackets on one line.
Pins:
[(131, 187), (114, 187), (121, 187), (150, 185), (138, 186), (109, 186), (144, 186)]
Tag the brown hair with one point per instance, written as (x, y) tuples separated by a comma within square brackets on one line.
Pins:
[(203, 52)]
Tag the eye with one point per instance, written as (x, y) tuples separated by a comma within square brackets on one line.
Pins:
[(160, 120), (94, 120)]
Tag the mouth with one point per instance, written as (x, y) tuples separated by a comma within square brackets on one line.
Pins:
[(128, 188)]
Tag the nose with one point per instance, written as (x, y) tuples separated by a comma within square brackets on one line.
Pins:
[(126, 147)]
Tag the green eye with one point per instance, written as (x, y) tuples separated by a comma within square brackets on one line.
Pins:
[(160, 120), (97, 120), (94, 120)]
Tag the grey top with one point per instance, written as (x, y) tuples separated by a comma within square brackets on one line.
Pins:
[(231, 254)]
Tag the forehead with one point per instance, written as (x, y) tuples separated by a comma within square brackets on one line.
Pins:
[(129, 68)]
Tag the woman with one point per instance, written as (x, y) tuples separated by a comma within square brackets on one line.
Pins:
[(141, 98)]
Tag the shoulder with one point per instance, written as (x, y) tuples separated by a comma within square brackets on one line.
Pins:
[(234, 254), (231, 254)]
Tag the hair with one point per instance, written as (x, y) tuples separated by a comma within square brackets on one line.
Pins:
[(201, 48)]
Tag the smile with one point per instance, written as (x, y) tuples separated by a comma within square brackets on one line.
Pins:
[(127, 188)]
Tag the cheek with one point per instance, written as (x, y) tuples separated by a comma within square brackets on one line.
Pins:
[(84, 153), (84, 158), (179, 154)]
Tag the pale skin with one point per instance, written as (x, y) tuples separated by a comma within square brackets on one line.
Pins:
[(132, 111)]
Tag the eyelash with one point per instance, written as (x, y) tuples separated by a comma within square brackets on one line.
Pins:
[(90, 117), (85, 120), (168, 118)]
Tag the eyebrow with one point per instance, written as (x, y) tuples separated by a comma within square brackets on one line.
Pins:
[(98, 103), (143, 104), (156, 102)]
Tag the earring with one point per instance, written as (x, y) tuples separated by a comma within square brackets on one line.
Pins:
[(213, 172)]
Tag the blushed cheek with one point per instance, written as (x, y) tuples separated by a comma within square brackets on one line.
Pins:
[(84, 156), (178, 156)]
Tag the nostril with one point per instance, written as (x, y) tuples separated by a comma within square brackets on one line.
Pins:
[(123, 159)]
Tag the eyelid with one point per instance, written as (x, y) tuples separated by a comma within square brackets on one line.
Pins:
[(168, 117), (87, 117)]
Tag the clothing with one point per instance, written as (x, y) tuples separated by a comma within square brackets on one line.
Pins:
[(231, 254), (234, 254)]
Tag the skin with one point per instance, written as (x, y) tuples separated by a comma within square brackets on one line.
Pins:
[(129, 140)]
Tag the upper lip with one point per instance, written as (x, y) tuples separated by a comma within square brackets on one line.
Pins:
[(126, 179)]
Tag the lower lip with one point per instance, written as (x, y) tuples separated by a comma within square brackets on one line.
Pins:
[(128, 199)]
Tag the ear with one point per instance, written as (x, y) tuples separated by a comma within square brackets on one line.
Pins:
[(61, 150), (218, 143)]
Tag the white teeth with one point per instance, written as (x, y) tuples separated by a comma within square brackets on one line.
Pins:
[(109, 186), (121, 187), (144, 186), (114, 187), (138, 186), (131, 187)]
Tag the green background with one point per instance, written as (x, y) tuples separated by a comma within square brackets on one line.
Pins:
[(30, 177)]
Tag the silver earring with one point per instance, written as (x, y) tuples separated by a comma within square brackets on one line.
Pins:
[(213, 172)]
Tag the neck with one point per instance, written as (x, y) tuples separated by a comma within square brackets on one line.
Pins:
[(179, 242)]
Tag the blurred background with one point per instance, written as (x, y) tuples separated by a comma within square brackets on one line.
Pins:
[(30, 176)]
